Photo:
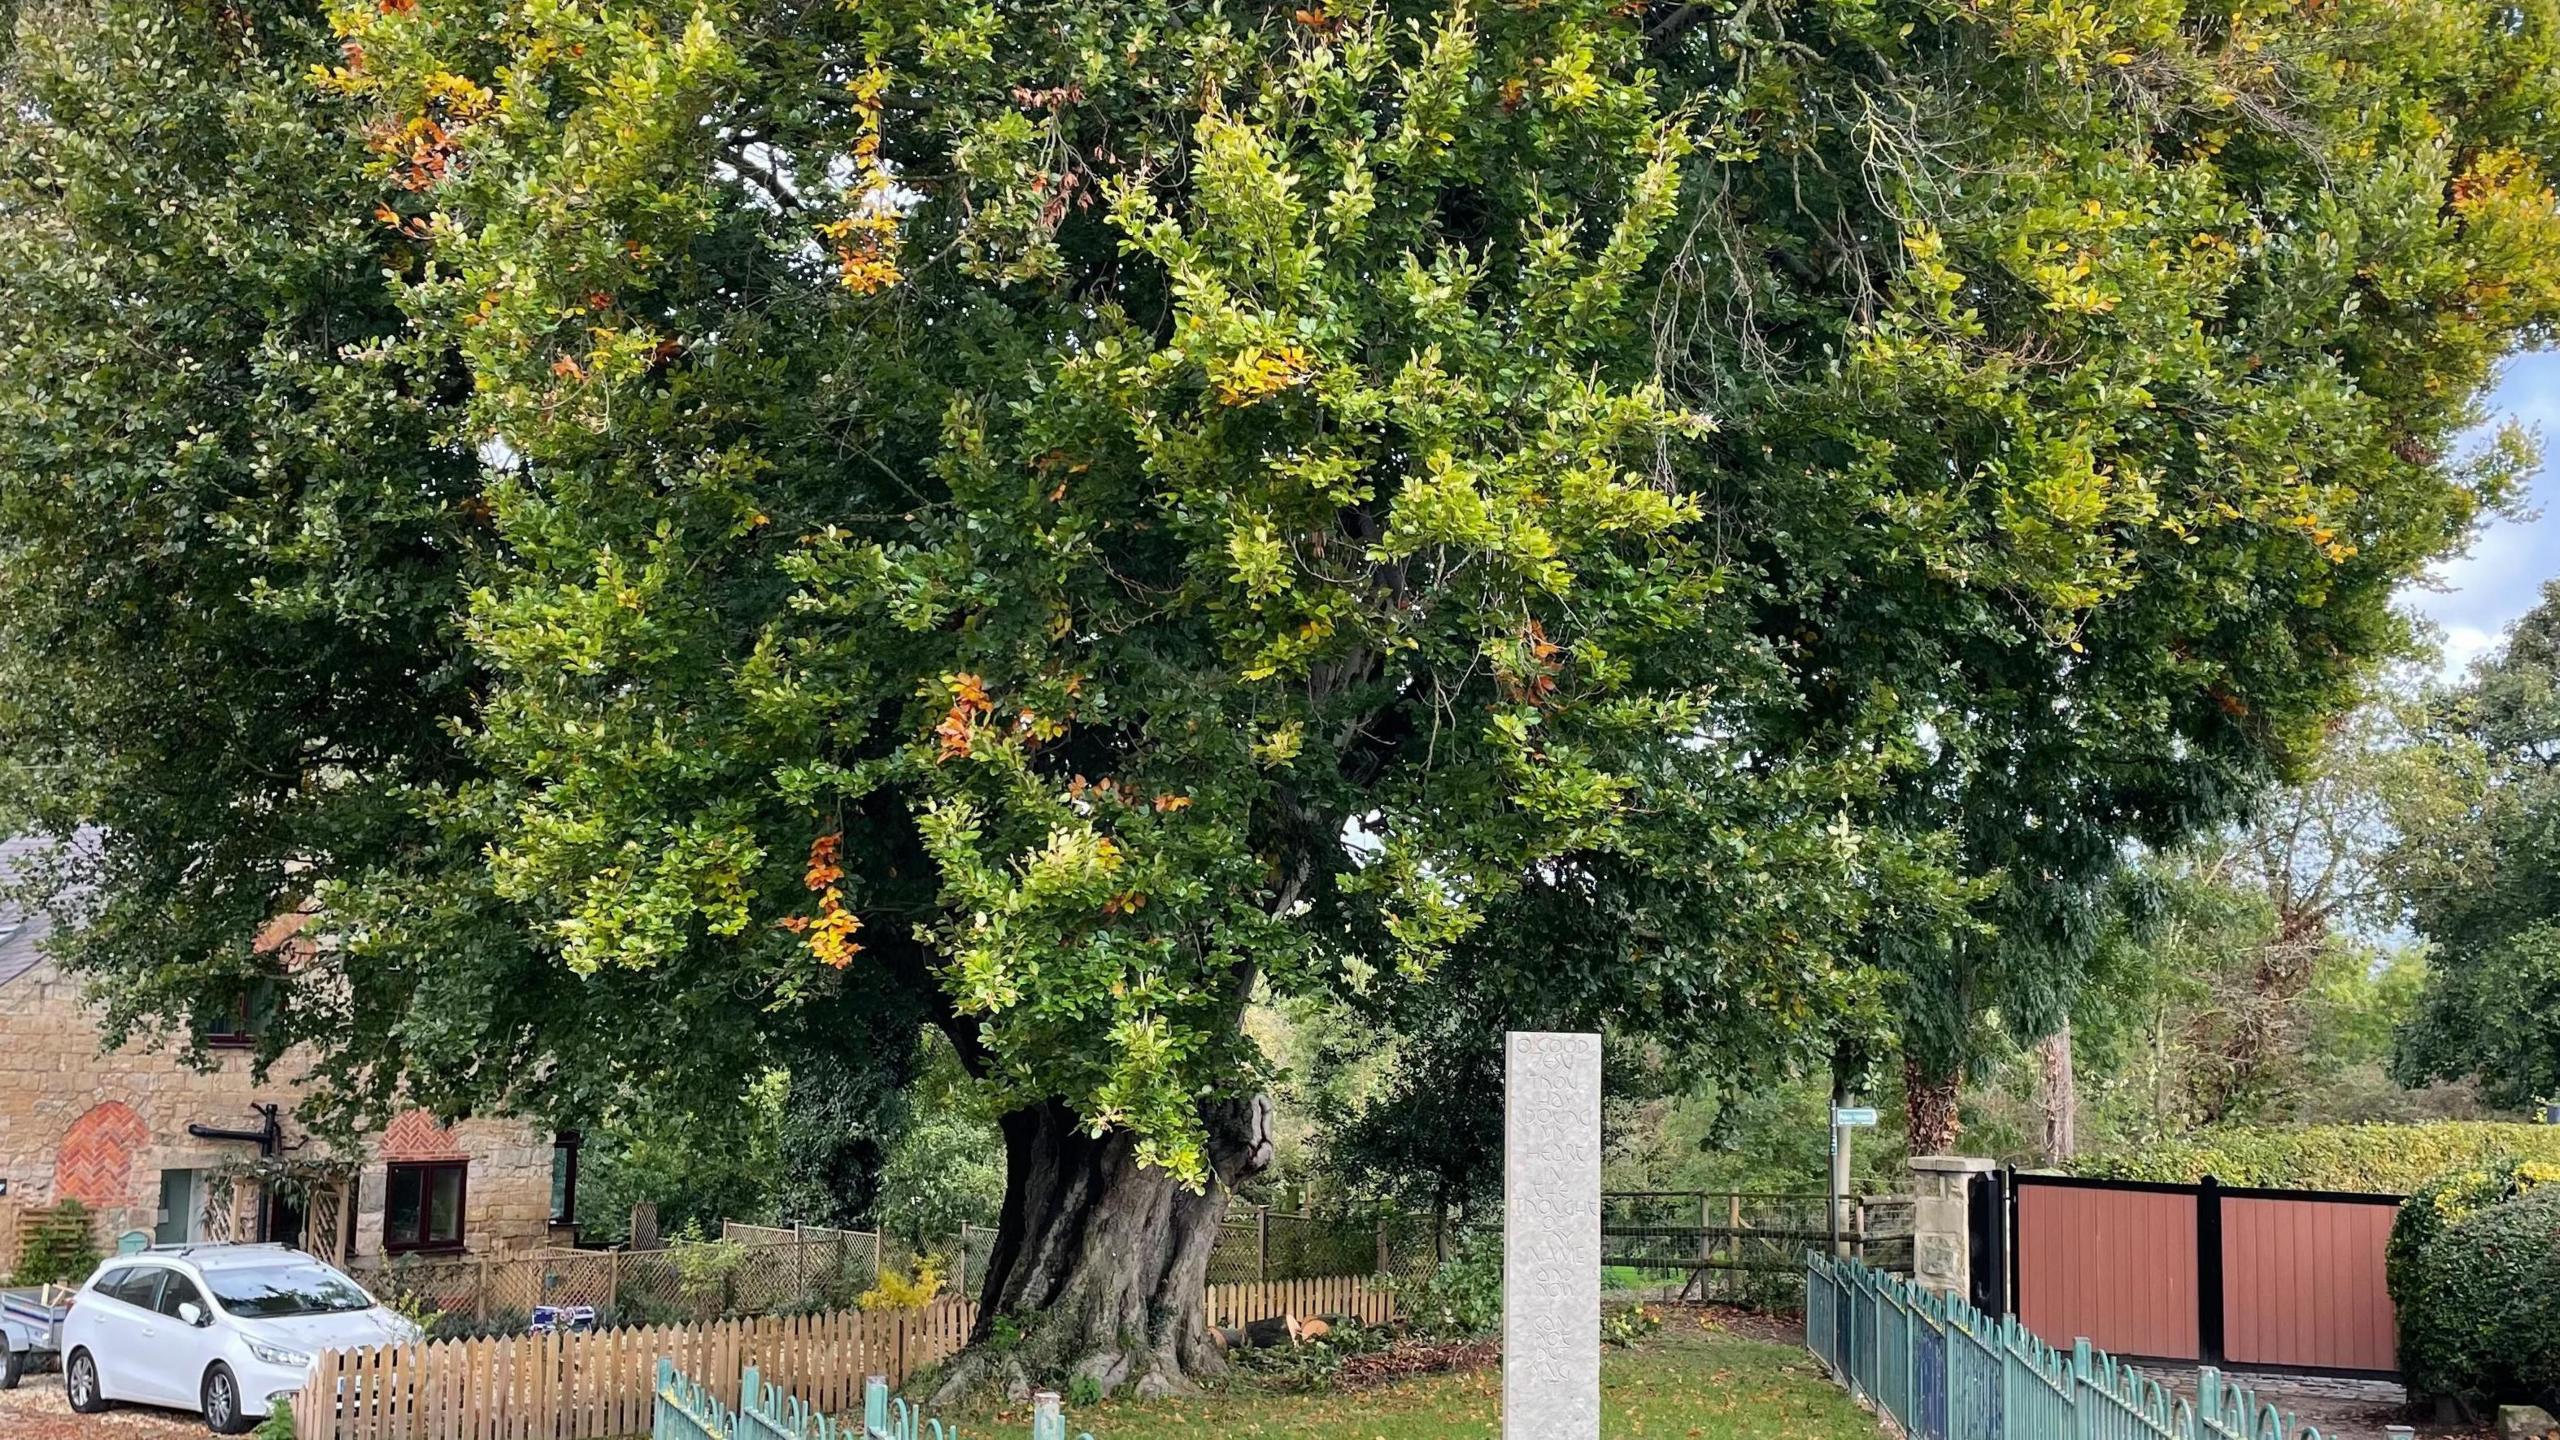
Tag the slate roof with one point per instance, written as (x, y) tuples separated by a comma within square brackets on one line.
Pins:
[(21, 933)]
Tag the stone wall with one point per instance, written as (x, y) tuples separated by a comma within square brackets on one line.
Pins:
[(102, 1127)]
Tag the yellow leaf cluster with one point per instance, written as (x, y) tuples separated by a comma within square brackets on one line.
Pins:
[(1259, 372)]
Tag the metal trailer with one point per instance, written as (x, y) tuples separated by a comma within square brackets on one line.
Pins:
[(30, 1328)]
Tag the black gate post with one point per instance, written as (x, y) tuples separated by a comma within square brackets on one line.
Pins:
[(1987, 1242), (2209, 1272)]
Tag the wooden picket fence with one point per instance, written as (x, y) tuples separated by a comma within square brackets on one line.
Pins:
[(1331, 1295), (600, 1385)]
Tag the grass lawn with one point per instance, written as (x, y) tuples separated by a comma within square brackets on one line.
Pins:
[(1685, 1380)]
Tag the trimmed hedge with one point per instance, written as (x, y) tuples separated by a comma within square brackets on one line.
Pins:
[(2475, 1275), (2385, 1159)]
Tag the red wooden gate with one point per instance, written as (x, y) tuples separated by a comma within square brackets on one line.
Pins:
[(2267, 1279)]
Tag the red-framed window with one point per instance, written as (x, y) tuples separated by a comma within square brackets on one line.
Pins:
[(235, 1030), (422, 1204)]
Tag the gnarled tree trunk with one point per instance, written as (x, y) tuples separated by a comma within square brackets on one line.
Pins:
[(1931, 1101), (1100, 1263)]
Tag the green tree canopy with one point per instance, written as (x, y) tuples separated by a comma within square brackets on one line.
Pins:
[(1059, 516)]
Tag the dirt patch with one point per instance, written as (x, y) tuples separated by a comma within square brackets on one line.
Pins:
[(1775, 1328), (1407, 1358), (37, 1411)]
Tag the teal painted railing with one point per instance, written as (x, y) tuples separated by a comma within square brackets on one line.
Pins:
[(687, 1410), (1946, 1371)]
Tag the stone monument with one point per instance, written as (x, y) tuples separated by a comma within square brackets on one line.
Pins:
[(1551, 1237)]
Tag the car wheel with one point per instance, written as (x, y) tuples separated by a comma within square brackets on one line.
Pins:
[(222, 1402), (80, 1384), (12, 1364)]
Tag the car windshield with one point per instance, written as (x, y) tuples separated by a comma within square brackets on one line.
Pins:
[(272, 1292)]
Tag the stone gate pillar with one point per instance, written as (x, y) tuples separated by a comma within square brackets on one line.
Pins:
[(1941, 1221)]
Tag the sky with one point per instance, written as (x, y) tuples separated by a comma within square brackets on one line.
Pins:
[(2474, 597)]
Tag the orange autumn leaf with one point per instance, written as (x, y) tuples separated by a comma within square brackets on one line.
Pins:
[(831, 938), (823, 870), (969, 705)]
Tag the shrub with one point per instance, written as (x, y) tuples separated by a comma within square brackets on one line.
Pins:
[(448, 1325), (1463, 1298), (2474, 1285), (1624, 1325), (278, 1425), (2385, 1159), (899, 1292), (55, 1247)]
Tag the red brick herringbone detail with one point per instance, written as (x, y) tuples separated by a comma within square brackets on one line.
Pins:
[(95, 1164), (415, 1135)]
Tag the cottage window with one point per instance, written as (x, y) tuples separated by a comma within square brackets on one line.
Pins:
[(244, 1019), (230, 1030), (422, 1206)]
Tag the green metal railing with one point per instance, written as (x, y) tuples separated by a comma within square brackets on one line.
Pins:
[(1946, 1371), (687, 1410)]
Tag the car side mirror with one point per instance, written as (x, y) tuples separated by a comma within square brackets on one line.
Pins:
[(193, 1314)]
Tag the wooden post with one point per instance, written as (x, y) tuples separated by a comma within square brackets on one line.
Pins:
[(1262, 1244), (613, 1280), (1382, 1244), (879, 1254), (799, 1262), (480, 1292)]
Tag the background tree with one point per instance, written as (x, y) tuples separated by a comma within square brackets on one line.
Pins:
[(2476, 867)]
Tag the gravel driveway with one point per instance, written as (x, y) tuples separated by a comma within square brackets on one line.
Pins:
[(37, 1411)]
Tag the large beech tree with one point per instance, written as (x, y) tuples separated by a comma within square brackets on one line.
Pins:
[(1060, 517)]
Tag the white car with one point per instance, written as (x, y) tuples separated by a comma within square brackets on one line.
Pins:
[(224, 1330)]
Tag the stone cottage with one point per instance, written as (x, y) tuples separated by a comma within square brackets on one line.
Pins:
[(152, 1145)]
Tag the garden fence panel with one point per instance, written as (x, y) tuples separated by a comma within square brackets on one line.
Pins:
[(1945, 1371), (602, 1384)]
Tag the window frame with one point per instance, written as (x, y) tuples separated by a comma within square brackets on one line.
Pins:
[(239, 1035), (565, 1145), (392, 1244), (246, 1019)]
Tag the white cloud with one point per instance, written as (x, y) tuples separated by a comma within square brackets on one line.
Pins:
[(2474, 597)]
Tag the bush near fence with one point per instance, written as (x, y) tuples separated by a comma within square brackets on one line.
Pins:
[(1945, 1371), (2474, 1272), (598, 1385), (2376, 1159)]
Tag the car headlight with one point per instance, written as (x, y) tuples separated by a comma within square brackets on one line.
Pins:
[(277, 1354)]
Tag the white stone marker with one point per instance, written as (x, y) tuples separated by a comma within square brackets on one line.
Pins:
[(1551, 1237)]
